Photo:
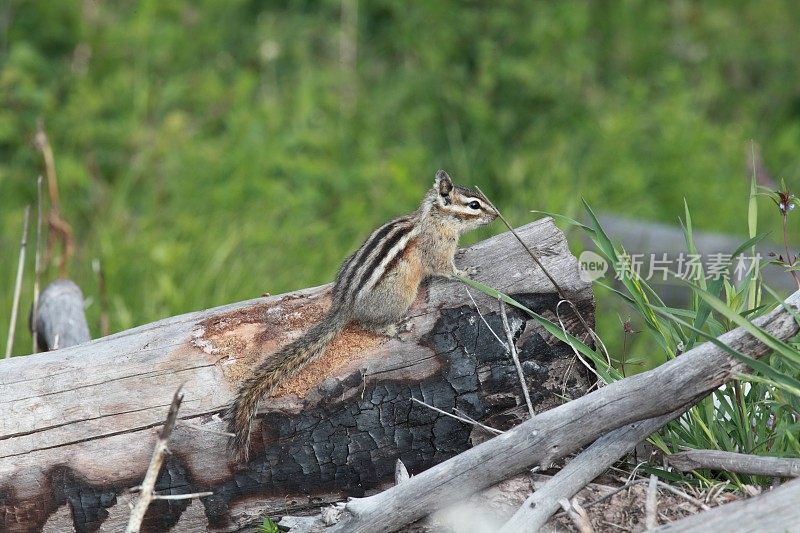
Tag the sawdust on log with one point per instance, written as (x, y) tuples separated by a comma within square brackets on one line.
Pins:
[(243, 338), (345, 350)]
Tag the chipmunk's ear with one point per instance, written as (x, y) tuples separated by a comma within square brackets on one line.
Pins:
[(444, 186)]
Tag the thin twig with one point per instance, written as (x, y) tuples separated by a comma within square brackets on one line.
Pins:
[(591, 331), (37, 267), (97, 266), (680, 493), (462, 414), (651, 503), (466, 421), (12, 325), (150, 477), (577, 514), (182, 496), (612, 524), (665, 486), (561, 294), (484, 319), (583, 361), (716, 490), (509, 346), (512, 349), (635, 470)]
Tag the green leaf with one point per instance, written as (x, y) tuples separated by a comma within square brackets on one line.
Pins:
[(779, 346), (608, 373), (784, 379), (565, 220), (268, 526), (752, 204)]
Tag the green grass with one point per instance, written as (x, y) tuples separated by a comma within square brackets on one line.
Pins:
[(204, 156), (757, 413)]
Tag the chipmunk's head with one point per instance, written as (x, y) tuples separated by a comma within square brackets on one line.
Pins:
[(467, 206)]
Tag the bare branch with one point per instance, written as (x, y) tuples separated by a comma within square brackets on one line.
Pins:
[(677, 492), (735, 462), (512, 349), (148, 485), (37, 270), (465, 420), (182, 496)]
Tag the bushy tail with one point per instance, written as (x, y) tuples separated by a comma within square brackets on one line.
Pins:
[(275, 370)]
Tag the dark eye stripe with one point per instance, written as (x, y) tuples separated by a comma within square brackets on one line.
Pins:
[(386, 247), (351, 267)]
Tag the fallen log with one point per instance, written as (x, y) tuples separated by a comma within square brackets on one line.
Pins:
[(565, 429), (80, 423), (741, 463)]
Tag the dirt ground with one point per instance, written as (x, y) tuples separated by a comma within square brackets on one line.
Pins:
[(623, 511)]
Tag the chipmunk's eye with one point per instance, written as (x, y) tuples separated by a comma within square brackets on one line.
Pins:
[(474, 204)]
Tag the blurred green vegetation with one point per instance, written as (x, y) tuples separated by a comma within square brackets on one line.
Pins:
[(210, 151)]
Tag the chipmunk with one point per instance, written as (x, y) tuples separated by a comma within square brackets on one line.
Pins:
[(374, 288)]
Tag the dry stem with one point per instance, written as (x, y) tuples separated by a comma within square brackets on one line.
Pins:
[(462, 419), (12, 325), (37, 267), (57, 224), (148, 485), (512, 349)]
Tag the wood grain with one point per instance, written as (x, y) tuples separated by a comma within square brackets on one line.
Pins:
[(81, 422)]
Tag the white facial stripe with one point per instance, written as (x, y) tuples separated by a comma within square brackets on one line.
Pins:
[(457, 208)]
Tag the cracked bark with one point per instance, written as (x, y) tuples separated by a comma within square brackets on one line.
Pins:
[(80, 422)]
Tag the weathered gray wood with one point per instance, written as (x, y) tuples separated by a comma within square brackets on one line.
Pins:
[(61, 320), (580, 471), (740, 463), (564, 429), (80, 423), (774, 511)]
